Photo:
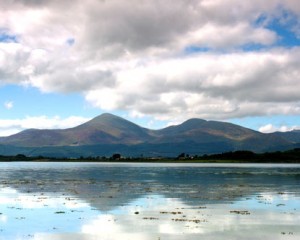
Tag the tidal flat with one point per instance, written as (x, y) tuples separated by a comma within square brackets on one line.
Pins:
[(149, 201)]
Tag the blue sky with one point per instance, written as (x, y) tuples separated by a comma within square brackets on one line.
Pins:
[(230, 60)]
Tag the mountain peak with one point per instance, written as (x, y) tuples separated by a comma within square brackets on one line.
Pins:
[(194, 122), (122, 130), (108, 119), (107, 115)]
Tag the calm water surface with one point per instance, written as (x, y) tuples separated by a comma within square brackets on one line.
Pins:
[(149, 201)]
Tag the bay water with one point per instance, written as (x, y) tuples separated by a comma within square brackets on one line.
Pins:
[(141, 201)]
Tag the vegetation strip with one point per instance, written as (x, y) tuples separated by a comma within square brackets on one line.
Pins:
[(290, 156)]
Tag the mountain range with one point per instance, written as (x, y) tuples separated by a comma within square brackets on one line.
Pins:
[(108, 134)]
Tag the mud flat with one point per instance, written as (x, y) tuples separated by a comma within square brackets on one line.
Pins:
[(149, 201)]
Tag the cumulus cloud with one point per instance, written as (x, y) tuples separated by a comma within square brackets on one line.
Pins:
[(226, 36), (208, 85), (134, 56), (12, 126)]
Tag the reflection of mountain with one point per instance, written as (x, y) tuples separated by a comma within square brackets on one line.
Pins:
[(146, 218), (147, 201), (108, 134), (108, 187)]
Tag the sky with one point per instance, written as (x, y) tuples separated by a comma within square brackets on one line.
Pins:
[(155, 63)]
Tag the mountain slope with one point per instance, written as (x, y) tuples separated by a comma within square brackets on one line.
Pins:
[(104, 129), (108, 133), (193, 128), (292, 136)]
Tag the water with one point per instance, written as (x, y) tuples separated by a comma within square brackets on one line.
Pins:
[(149, 201)]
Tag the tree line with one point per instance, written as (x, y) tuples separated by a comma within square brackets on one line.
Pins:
[(290, 156)]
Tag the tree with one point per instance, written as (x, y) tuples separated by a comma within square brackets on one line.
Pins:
[(116, 156), (181, 155)]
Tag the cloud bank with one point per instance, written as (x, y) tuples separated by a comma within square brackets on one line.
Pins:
[(168, 59), (269, 128)]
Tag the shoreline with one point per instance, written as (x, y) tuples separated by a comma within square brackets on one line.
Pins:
[(155, 161), (290, 156)]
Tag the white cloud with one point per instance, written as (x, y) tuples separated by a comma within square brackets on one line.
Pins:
[(269, 128), (133, 57), (9, 127), (9, 105), (9, 131), (208, 85), (226, 36)]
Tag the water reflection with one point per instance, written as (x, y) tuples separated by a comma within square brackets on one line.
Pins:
[(94, 201)]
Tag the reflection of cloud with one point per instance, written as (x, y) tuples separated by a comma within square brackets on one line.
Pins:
[(4, 193), (9, 196), (267, 197), (150, 217), (107, 227), (145, 218), (3, 218), (158, 217), (27, 201)]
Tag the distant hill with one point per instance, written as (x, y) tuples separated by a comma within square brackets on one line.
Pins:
[(108, 134), (291, 136)]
